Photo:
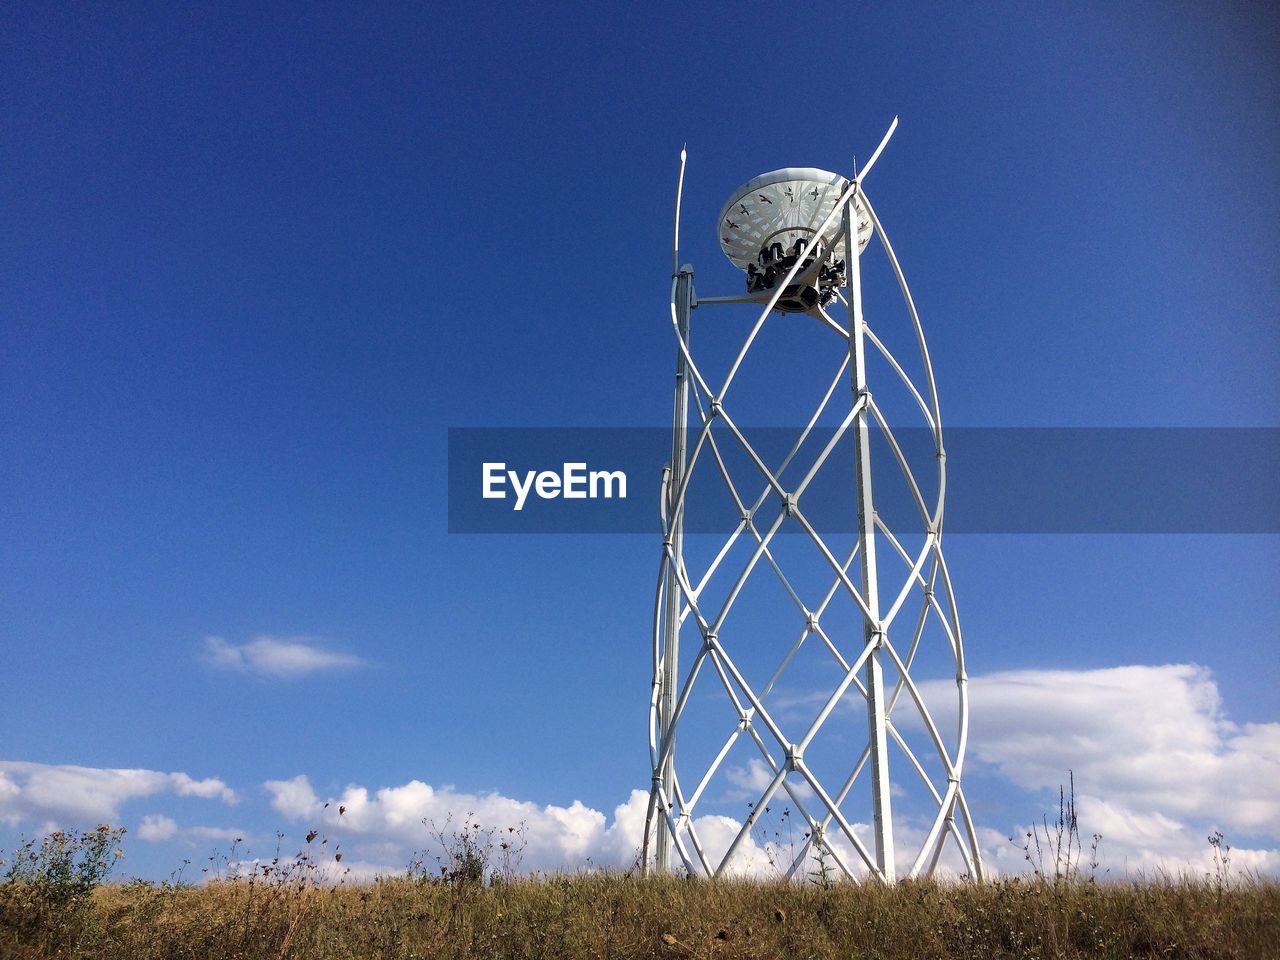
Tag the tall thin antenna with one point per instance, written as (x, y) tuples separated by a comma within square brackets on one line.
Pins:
[(675, 245)]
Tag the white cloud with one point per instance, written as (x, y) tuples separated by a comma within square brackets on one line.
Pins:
[(558, 836), (277, 657), (1150, 738), (209, 788), (1158, 767), (749, 782), (1137, 840), (155, 828), (1157, 764), (391, 823), (82, 795)]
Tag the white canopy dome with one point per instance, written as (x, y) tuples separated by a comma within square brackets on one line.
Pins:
[(784, 206)]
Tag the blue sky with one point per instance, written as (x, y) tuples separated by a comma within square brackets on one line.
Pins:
[(256, 262)]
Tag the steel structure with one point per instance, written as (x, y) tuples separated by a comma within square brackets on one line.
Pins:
[(803, 265)]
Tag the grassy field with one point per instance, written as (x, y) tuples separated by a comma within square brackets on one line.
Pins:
[(611, 915), (55, 903)]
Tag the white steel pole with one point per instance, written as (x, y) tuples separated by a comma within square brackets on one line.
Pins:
[(672, 596), (873, 632)]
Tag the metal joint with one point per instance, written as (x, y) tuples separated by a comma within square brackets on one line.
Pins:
[(789, 504), (715, 408), (795, 757)]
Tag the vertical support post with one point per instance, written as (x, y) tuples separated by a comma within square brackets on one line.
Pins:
[(872, 630), (673, 599)]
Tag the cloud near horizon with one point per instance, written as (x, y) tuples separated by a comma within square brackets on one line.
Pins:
[(388, 825), (1157, 766), (277, 657), (1151, 737), (57, 793), (157, 828)]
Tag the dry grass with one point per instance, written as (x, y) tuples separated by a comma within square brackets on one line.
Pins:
[(611, 915), (473, 903)]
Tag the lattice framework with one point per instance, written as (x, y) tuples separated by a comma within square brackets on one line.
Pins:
[(670, 824)]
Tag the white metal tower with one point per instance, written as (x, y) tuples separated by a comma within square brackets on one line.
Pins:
[(799, 235)]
